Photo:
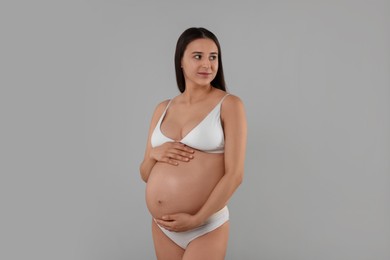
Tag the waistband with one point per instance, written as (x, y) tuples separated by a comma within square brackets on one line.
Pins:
[(222, 213)]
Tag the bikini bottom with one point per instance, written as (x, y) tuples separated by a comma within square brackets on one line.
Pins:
[(182, 239)]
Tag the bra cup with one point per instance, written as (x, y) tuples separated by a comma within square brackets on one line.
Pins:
[(158, 138), (208, 136)]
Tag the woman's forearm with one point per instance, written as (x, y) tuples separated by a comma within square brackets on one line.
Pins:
[(220, 195)]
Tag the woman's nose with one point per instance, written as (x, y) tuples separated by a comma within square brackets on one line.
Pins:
[(206, 64)]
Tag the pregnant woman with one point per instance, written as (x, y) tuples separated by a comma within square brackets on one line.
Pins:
[(194, 157)]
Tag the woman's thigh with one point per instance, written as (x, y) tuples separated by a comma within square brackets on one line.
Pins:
[(209, 246), (165, 248)]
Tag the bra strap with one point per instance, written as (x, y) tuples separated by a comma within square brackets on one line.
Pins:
[(166, 108), (224, 98), (165, 111)]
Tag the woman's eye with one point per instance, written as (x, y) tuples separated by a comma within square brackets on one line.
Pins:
[(197, 57), (213, 57)]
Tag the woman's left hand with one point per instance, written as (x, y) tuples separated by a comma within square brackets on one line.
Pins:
[(178, 222)]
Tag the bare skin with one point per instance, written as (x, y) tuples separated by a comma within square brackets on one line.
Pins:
[(186, 186)]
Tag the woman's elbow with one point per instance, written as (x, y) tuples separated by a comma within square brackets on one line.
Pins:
[(142, 173), (237, 178)]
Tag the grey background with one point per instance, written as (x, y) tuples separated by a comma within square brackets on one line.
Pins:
[(80, 79)]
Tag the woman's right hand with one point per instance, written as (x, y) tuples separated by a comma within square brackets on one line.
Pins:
[(172, 152)]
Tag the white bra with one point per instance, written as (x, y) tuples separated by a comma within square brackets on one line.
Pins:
[(207, 135)]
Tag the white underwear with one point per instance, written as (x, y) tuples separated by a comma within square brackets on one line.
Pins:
[(182, 239)]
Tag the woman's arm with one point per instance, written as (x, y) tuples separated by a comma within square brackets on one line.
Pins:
[(235, 129), (148, 162)]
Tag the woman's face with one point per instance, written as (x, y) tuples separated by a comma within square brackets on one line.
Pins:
[(200, 62)]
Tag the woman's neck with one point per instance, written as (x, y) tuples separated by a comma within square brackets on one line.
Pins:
[(195, 94)]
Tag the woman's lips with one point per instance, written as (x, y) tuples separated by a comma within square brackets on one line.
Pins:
[(205, 74)]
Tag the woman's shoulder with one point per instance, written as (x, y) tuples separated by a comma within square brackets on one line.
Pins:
[(232, 100), (163, 103), (160, 107), (232, 106)]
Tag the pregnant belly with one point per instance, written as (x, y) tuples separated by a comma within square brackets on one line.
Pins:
[(183, 188)]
